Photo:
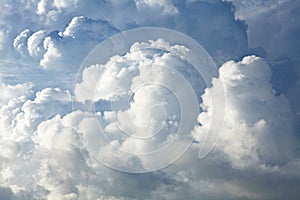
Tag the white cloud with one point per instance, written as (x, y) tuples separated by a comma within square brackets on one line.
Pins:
[(20, 42), (53, 50), (70, 23), (20, 116), (166, 6), (9, 92), (62, 167), (51, 56), (253, 132), (35, 43), (64, 4), (41, 155), (98, 81), (149, 74)]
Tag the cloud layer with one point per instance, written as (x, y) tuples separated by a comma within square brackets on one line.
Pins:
[(43, 140)]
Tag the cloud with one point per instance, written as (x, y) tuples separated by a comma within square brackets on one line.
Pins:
[(63, 169), (66, 26), (20, 42), (20, 120), (256, 153), (20, 116), (166, 6), (211, 23), (52, 54), (281, 48), (64, 165), (125, 69), (253, 132), (43, 155), (52, 50), (9, 92), (142, 86), (35, 43)]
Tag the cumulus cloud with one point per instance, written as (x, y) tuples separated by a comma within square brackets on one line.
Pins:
[(20, 42), (166, 6), (68, 25), (20, 116), (43, 142), (146, 101), (256, 153), (253, 132), (51, 56), (20, 119), (123, 69), (9, 92), (280, 17), (35, 43), (253, 143), (53, 50)]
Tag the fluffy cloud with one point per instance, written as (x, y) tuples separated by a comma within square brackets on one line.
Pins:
[(35, 42), (166, 6), (52, 50), (9, 92), (256, 153), (126, 69), (66, 25), (213, 25), (20, 116), (20, 42), (20, 119), (146, 101), (253, 132), (43, 142), (280, 17), (54, 164)]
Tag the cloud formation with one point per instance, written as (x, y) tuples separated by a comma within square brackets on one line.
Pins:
[(253, 132), (43, 141), (253, 143)]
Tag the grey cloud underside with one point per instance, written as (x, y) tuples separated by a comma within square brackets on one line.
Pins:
[(42, 44)]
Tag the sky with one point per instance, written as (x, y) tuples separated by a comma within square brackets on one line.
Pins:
[(148, 99)]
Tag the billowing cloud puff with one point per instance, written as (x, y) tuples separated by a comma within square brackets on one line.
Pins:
[(9, 92), (52, 55), (65, 164), (98, 81), (62, 168), (20, 119), (20, 116), (82, 27), (166, 6), (253, 132), (146, 100), (20, 42), (52, 50), (35, 43)]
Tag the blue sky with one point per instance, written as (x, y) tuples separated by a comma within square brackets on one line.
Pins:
[(215, 70)]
